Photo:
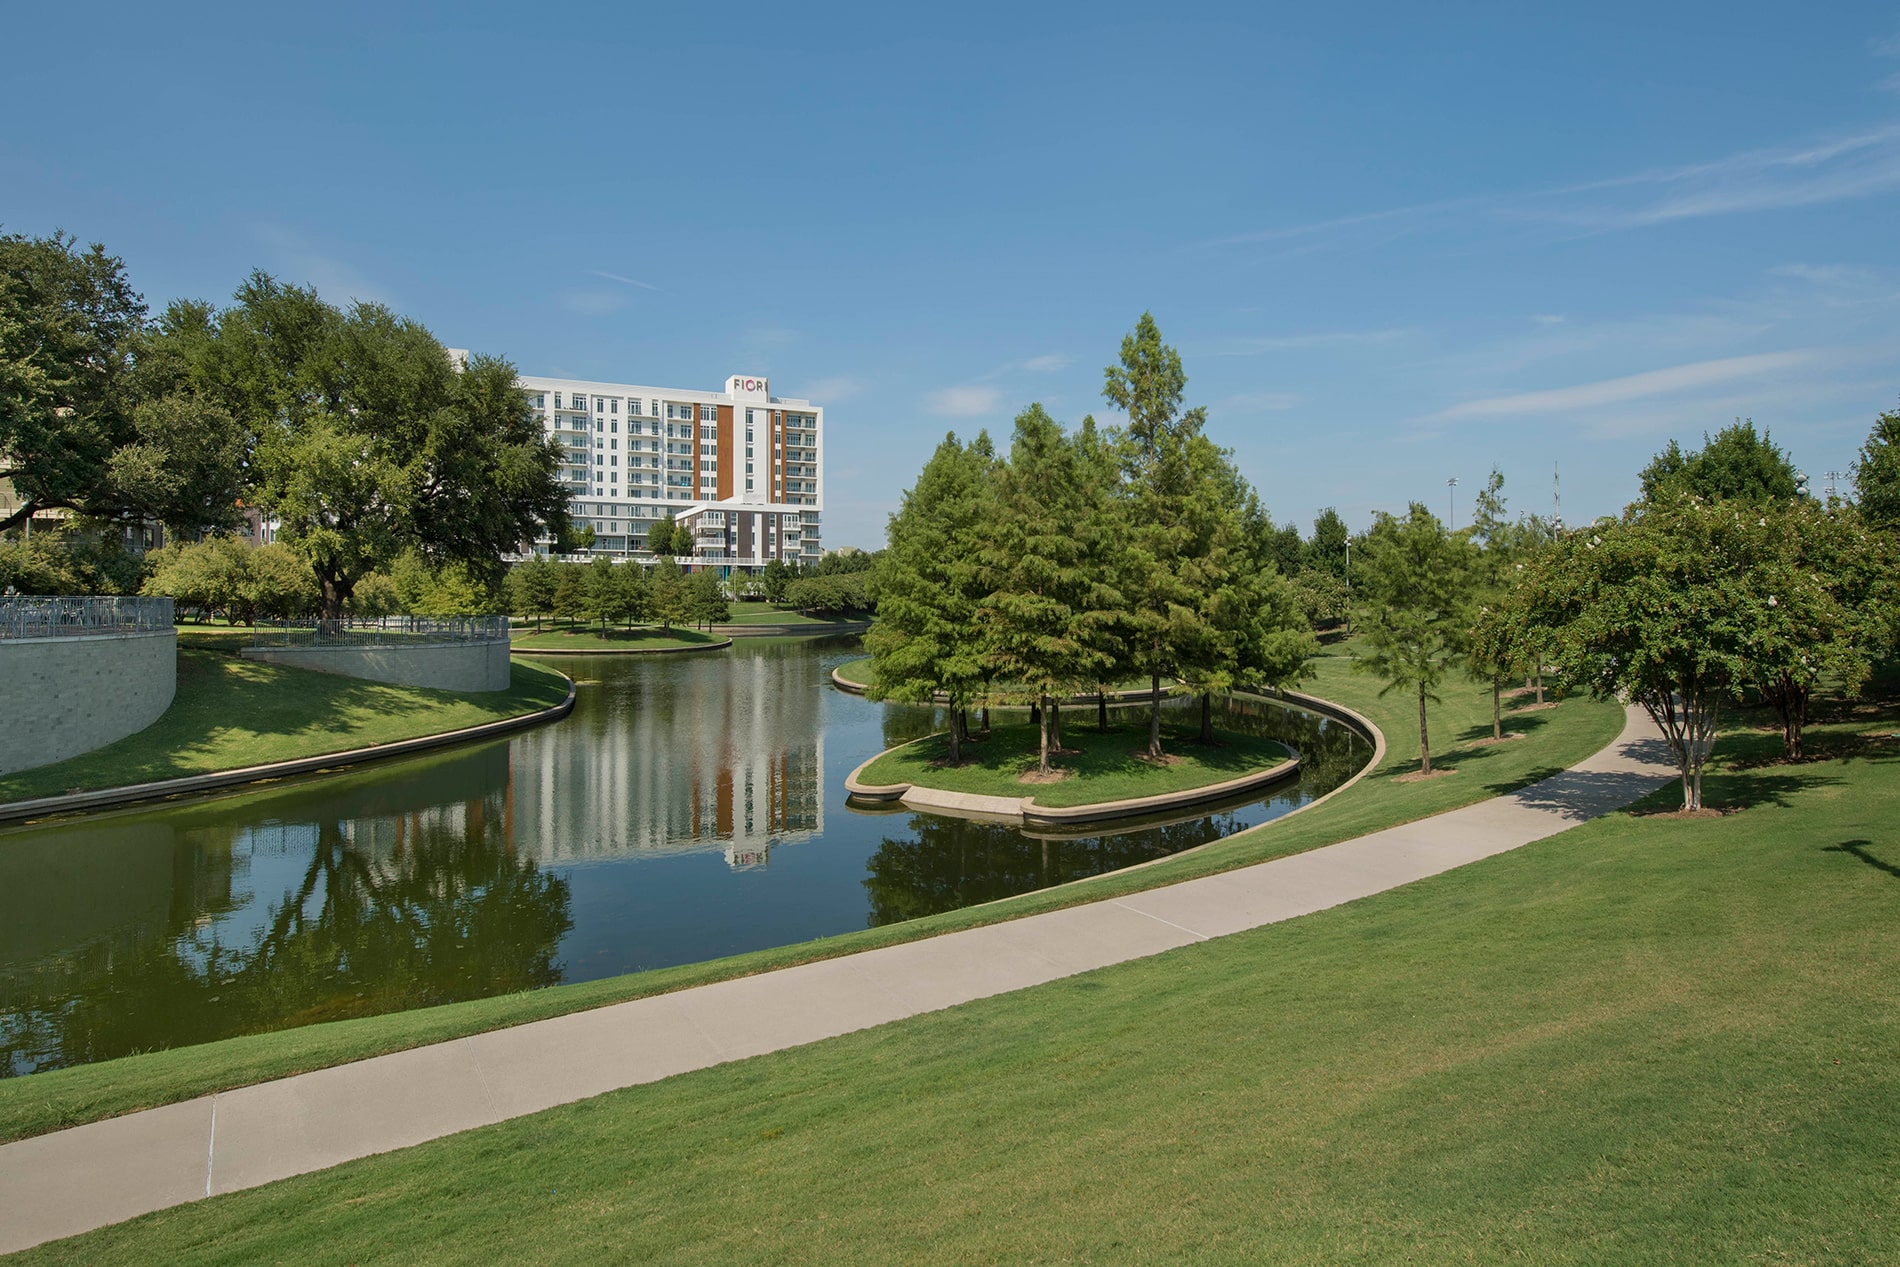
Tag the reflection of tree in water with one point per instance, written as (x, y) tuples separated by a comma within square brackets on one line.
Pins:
[(450, 913), (950, 862)]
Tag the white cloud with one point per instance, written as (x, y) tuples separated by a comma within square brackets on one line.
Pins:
[(830, 391), (1547, 318), (1614, 391), (296, 261), (625, 281), (1045, 364), (966, 402)]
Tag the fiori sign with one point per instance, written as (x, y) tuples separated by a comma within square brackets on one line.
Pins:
[(740, 385)]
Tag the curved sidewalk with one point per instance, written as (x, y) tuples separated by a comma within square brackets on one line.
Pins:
[(74, 1180)]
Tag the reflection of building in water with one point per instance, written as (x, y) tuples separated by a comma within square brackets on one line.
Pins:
[(713, 755)]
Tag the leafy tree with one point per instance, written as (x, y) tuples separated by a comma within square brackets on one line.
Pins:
[(672, 604), (1323, 598), (1413, 596), (775, 577), (277, 586), (368, 441), (707, 599), (1049, 619), (1736, 463), (1326, 552), (1657, 609), (1165, 626), (844, 562), (926, 640), (530, 587), (1877, 473), (668, 538), (373, 598), (182, 466), (70, 325), (603, 597), (570, 592)]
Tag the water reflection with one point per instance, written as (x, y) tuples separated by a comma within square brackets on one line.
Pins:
[(691, 807)]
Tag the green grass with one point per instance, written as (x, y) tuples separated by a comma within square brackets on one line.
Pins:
[(858, 671), (1103, 767), (767, 614), (225, 638), (594, 638), (1558, 737), (1645, 1040), (230, 713)]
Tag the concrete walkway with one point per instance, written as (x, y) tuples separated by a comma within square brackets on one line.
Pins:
[(61, 1184)]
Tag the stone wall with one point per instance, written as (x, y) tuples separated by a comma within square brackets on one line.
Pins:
[(60, 697), (449, 666)]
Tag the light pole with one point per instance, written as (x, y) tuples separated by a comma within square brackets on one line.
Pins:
[(1451, 502)]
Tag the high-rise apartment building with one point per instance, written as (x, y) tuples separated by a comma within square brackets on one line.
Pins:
[(740, 468)]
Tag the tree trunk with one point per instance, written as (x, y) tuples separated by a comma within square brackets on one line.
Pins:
[(986, 720), (1497, 708), (1154, 715), (1055, 721), (1424, 740), (1207, 719), (336, 591), (1540, 684), (1042, 735), (956, 741), (1101, 708), (963, 722)]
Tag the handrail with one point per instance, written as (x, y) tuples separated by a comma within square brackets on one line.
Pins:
[(82, 616)]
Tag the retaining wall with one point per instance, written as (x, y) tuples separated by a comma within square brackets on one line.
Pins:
[(60, 697), (448, 666)]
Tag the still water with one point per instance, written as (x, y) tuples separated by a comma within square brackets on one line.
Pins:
[(691, 807)]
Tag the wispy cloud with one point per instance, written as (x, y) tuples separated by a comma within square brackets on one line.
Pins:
[(624, 281), (1045, 364), (966, 402), (1616, 391), (831, 391), (296, 260), (1833, 168), (1547, 318), (593, 303)]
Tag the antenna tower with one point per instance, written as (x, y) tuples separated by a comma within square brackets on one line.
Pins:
[(1556, 498)]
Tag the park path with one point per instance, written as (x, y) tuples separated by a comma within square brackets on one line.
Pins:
[(89, 1176)]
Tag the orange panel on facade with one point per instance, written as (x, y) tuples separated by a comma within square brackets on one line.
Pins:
[(725, 452)]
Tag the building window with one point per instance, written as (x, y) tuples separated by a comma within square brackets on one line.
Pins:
[(613, 407), (557, 400), (708, 413)]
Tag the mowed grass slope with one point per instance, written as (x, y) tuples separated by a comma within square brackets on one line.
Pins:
[(595, 638), (230, 713), (1645, 1040), (1557, 738), (1098, 767)]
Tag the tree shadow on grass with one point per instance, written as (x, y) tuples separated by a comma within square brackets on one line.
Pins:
[(1527, 725), (1858, 849)]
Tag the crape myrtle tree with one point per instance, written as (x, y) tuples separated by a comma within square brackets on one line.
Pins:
[(365, 439), (1050, 617), (926, 640), (1660, 608), (1413, 596)]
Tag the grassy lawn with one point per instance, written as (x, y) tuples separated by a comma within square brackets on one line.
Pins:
[(595, 638), (1557, 738), (1645, 1040), (767, 614), (858, 671), (231, 713), (1104, 767), (226, 638)]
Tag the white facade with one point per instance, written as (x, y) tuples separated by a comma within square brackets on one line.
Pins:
[(741, 468)]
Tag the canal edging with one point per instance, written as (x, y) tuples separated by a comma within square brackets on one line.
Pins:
[(164, 789), (691, 646)]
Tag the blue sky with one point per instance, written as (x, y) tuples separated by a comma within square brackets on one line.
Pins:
[(1394, 244)]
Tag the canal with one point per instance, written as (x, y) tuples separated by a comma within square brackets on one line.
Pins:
[(691, 807)]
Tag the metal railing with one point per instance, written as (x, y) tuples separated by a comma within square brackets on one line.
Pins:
[(80, 616), (389, 631)]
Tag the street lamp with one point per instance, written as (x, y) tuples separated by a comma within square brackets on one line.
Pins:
[(1451, 502)]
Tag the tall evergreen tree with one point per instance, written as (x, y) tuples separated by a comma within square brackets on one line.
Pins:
[(1413, 598), (925, 640), (1049, 616), (1877, 473)]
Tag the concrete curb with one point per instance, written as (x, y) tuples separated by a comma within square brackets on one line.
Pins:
[(164, 789), (1023, 809), (698, 646)]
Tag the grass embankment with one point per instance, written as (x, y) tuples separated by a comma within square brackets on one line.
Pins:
[(858, 671), (1097, 767), (230, 713), (767, 614), (594, 638), (1557, 738), (1646, 1039)]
